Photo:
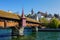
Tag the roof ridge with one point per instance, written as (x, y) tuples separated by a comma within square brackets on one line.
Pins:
[(7, 12), (8, 15)]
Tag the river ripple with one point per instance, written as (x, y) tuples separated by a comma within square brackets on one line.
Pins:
[(40, 36)]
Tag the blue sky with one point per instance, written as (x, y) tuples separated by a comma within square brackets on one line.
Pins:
[(51, 6)]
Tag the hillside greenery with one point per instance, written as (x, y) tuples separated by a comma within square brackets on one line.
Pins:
[(53, 23)]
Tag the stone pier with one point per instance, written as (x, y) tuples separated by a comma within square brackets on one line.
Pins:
[(21, 31), (36, 29)]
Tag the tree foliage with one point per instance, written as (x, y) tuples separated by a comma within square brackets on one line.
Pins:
[(44, 21), (28, 15), (56, 15), (54, 23)]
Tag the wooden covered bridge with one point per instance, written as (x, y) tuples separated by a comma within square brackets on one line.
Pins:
[(15, 21), (8, 19)]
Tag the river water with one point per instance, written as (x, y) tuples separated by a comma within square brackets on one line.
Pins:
[(29, 35), (40, 36)]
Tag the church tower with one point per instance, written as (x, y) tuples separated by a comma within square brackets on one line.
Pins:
[(32, 12)]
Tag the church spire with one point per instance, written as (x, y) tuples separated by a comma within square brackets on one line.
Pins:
[(32, 12)]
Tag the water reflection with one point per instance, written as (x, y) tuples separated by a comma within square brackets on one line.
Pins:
[(32, 36)]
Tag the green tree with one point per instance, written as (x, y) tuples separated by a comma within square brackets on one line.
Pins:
[(28, 15), (54, 23), (44, 21)]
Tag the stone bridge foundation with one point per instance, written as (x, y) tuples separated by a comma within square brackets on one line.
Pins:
[(21, 31), (35, 29)]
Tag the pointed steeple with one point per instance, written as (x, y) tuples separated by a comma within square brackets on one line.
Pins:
[(32, 12), (23, 13)]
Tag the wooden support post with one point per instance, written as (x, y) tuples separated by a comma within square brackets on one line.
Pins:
[(4, 23)]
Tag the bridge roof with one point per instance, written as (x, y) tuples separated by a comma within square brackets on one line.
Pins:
[(8, 15), (32, 20), (15, 16)]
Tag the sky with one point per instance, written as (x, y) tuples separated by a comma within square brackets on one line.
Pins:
[(49, 6)]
